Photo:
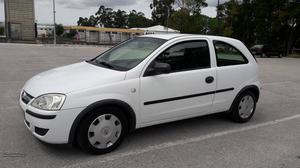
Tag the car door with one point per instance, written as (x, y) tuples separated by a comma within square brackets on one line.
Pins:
[(233, 71), (187, 90)]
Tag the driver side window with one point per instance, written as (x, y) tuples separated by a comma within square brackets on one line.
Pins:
[(186, 56)]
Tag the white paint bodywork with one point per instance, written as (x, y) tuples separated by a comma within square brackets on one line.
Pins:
[(84, 83)]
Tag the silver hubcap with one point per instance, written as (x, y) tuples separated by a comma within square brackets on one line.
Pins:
[(246, 106), (104, 131)]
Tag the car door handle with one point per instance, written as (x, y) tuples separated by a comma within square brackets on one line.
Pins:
[(209, 79)]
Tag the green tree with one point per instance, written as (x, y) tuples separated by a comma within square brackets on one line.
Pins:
[(120, 19), (289, 17), (185, 22), (237, 20), (161, 10), (181, 20), (275, 22), (138, 19), (105, 16), (212, 26), (188, 18), (59, 29), (263, 20), (192, 6), (92, 21)]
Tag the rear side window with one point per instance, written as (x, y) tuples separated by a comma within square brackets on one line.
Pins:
[(228, 55), (185, 56)]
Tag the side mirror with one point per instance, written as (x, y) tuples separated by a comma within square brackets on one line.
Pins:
[(158, 68)]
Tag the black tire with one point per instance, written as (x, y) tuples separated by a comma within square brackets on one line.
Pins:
[(234, 112), (82, 131)]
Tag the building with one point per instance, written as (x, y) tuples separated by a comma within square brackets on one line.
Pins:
[(158, 29), (20, 19), (45, 30), (112, 35), (102, 35)]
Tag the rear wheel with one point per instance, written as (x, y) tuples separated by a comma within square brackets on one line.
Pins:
[(102, 131), (243, 107)]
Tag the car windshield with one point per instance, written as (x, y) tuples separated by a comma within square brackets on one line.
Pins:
[(128, 54)]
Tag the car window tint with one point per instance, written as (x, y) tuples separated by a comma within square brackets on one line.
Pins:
[(129, 54), (228, 55), (186, 56)]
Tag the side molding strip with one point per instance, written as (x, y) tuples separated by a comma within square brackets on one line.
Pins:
[(187, 96)]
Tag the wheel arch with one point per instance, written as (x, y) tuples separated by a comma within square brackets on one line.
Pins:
[(127, 109), (253, 88)]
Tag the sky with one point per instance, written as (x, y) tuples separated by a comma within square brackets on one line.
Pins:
[(68, 11)]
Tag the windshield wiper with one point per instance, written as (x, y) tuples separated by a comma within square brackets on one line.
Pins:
[(105, 64)]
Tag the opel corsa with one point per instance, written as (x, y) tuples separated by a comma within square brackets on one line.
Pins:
[(144, 81)]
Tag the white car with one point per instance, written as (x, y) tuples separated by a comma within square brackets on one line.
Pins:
[(144, 81)]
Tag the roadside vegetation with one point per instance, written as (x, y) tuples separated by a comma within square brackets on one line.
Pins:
[(274, 22)]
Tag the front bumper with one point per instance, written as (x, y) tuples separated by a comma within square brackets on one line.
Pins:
[(44, 126)]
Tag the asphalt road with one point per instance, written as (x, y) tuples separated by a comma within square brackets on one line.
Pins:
[(271, 139)]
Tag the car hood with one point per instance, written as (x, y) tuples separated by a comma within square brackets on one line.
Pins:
[(71, 78)]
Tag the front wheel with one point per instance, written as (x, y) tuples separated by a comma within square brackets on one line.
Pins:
[(244, 107), (102, 131)]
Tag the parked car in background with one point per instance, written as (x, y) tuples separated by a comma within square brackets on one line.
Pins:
[(144, 81), (266, 51)]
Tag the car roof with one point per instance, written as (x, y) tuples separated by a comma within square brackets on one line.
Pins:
[(174, 36), (163, 36)]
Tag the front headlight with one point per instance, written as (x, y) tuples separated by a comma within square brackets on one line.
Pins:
[(51, 102)]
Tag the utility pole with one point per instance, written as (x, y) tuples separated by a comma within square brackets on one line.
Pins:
[(168, 20), (6, 20), (218, 18), (54, 29)]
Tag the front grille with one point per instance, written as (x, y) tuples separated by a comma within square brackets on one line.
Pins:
[(26, 97)]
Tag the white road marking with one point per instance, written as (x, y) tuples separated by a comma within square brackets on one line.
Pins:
[(277, 83), (182, 142)]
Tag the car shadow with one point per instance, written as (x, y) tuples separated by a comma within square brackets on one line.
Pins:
[(177, 130), (151, 135), (147, 136)]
